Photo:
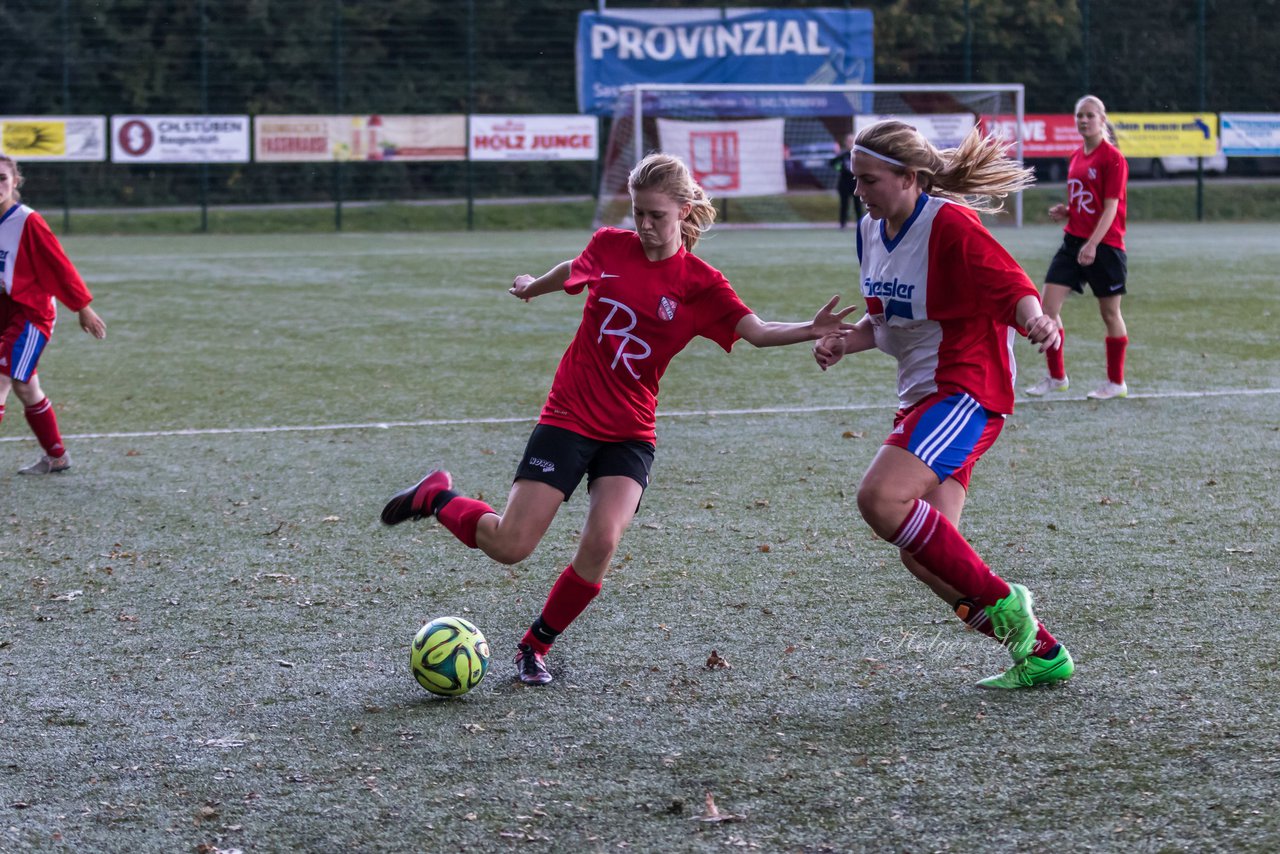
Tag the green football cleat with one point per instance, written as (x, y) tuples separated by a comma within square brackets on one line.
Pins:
[(1014, 623), (1034, 671)]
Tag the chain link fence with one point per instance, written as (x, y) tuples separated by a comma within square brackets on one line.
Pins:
[(87, 57)]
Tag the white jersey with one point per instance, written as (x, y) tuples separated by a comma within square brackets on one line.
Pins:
[(942, 296)]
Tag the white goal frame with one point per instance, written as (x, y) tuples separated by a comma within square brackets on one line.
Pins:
[(1017, 90)]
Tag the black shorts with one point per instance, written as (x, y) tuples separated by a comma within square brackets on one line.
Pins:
[(560, 458), (1106, 275)]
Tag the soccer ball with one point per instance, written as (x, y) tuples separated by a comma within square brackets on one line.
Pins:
[(449, 656)]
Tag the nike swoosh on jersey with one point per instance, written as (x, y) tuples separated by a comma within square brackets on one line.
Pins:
[(610, 276)]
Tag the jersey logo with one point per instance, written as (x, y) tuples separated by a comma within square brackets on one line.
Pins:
[(1093, 174), (626, 339), (1078, 197), (667, 309), (609, 276), (892, 298), (4, 259)]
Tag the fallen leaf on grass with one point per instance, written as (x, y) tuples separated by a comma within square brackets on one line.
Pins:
[(283, 663), (853, 434), (712, 813), (715, 662), (331, 519), (66, 597)]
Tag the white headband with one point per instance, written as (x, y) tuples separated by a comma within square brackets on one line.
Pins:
[(878, 155)]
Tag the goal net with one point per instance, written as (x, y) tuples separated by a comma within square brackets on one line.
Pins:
[(768, 155)]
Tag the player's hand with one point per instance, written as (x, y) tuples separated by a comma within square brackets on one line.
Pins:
[(828, 349), (827, 320), (1087, 255), (1059, 212), (520, 286), (91, 323), (1042, 331)]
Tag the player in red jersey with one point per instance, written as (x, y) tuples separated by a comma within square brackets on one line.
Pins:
[(944, 298), (1092, 249), (648, 296), (34, 271)]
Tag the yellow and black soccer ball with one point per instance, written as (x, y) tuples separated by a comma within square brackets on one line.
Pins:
[(449, 656)]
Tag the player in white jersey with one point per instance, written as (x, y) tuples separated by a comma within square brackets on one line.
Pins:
[(34, 271), (945, 299)]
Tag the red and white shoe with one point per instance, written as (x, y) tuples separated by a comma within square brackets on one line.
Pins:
[(531, 667), (415, 502)]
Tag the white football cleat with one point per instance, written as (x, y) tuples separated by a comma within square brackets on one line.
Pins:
[(1047, 385), (1108, 390)]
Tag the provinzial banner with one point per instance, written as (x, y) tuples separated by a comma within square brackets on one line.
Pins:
[(769, 46), (66, 138), (1250, 134), (1166, 134), (534, 137), (729, 159), (180, 139)]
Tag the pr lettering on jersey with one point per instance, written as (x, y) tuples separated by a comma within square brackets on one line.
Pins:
[(1078, 197), (667, 309), (624, 336)]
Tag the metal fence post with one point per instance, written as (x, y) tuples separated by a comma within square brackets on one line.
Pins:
[(204, 110), (66, 105), (337, 100)]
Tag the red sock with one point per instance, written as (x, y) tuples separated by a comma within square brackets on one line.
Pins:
[(1115, 358), (1057, 359), (461, 516), (569, 597), (45, 425), (1, 411), (930, 538)]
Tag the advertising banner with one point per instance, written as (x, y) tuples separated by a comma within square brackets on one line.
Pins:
[(761, 46), (945, 130), (67, 138), (325, 139), (534, 137), (180, 139), (1044, 135), (1251, 134), (729, 158), (1166, 134)]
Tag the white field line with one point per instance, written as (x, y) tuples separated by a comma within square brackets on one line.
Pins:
[(692, 413)]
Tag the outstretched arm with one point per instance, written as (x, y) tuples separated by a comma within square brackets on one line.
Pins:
[(761, 333), (832, 348), (527, 287)]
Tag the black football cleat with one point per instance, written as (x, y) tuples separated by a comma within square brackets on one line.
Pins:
[(415, 502)]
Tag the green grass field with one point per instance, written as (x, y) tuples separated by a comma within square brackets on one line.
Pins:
[(204, 630)]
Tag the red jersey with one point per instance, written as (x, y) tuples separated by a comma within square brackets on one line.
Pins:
[(942, 296), (34, 270), (1091, 180), (639, 314)]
